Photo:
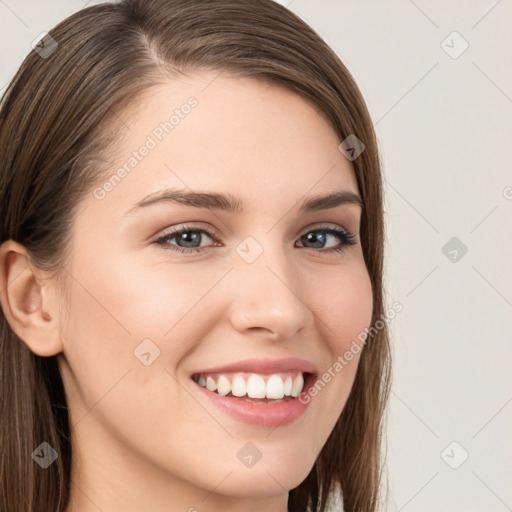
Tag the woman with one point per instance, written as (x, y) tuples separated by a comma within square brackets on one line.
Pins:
[(191, 262)]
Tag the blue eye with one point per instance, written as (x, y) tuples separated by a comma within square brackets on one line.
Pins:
[(320, 235), (183, 236), (190, 236)]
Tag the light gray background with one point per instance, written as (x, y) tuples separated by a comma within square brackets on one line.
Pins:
[(444, 130)]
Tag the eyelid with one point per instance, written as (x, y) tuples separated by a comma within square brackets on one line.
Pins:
[(189, 226), (210, 231), (324, 225), (346, 237)]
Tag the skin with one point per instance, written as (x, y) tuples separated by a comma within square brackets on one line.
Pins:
[(143, 438)]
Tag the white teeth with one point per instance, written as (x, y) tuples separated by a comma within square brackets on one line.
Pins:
[(288, 386), (275, 387), (298, 384), (223, 385), (211, 385), (256, 387), (253, 385), (239, 386)]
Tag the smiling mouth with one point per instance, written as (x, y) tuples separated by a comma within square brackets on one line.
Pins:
[(254, 387)]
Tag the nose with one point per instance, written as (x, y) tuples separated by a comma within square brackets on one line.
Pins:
[(266, 300)]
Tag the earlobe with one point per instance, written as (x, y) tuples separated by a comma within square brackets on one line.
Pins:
[(28, 301)]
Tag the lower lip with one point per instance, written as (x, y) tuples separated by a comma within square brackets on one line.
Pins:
[(261, 414)]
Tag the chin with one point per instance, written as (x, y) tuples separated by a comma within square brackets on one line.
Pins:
[(265, 481)]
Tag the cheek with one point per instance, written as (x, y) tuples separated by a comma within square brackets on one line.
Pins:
[(345, 309), (118, 304), (344, 303), (124, 309)]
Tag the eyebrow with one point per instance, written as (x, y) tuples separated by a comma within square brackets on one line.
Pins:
[(234, 204)]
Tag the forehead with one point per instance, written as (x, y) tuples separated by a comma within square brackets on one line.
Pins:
[(225, 134)]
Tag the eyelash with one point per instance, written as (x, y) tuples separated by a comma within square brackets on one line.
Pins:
[(346, 237)]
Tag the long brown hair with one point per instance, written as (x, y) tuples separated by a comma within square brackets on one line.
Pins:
[(53, 146)]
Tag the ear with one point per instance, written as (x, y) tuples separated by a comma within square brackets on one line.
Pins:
[(28, 301)]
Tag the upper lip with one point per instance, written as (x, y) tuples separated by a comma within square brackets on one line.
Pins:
[(264, 366)]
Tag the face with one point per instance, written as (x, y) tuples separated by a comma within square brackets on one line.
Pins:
[(171, 300)]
